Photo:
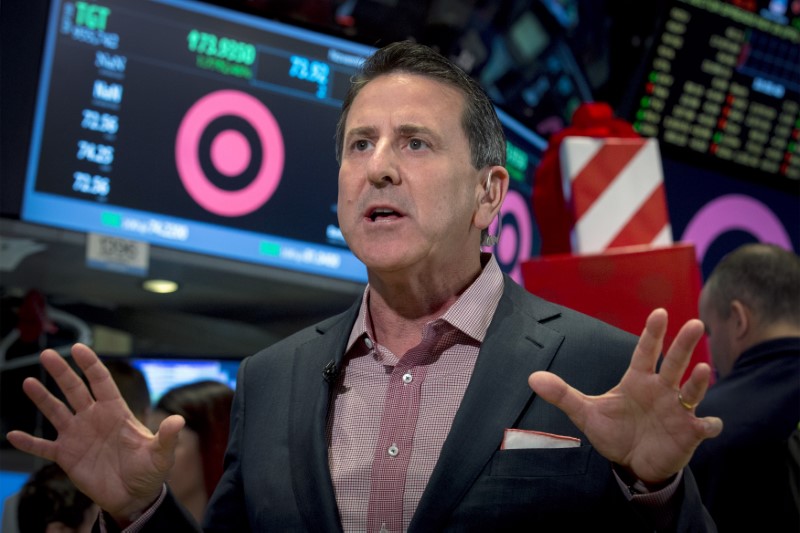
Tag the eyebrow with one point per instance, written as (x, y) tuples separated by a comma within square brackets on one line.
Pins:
[(362, 131), (409, 130), (404, 130)]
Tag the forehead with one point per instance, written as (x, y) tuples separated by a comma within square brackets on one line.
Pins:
[(406, 97)]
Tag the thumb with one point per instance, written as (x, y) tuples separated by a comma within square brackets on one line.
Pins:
[(555, 390), (168, 432)]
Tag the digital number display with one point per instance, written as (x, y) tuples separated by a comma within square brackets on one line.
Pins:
[(88, 184), (224, 48), (724, 87)]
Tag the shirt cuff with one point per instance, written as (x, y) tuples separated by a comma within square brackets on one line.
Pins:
[(107, 524), (659, 506), (639, 493)]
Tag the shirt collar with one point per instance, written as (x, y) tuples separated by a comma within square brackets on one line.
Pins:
[(471, 313)]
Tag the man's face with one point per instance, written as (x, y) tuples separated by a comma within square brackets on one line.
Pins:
[(408, 192), (720, 333)]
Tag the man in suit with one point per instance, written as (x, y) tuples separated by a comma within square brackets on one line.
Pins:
[(439, 400), (751, 307)]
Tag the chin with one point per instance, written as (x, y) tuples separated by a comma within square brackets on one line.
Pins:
[(385, 263), (383, 249), (387, 259)]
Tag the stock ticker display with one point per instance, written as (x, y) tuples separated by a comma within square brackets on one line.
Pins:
[(723, 89), (204, 129), (194, 127)]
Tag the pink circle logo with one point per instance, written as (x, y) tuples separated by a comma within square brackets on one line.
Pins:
[(734, 212), (230, 153), (514, 245)]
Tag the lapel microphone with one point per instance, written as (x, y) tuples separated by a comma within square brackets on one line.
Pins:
[(330, 372)]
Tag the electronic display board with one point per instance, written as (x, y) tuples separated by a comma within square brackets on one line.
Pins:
[(163, 373), (192, 127), (723, 89), (200, 128)]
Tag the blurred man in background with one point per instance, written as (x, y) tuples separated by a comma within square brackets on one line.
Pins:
[(50, 503), (750, 305)]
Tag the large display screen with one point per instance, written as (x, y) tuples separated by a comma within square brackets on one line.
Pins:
[(195, 127), (192, 127), (723, 88), (165, 373)]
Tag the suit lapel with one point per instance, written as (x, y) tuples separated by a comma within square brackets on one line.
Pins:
[(310, 392), (516, 344)]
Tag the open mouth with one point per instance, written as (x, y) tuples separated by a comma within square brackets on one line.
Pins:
[(382, 213)]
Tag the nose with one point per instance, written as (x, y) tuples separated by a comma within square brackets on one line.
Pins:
[(382, 166)]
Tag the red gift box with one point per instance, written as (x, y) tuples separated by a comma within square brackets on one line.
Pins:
[(623, 285)]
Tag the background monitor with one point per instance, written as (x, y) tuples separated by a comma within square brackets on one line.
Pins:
[(163, 373), (721, 89), (191, 127), (199, 128)]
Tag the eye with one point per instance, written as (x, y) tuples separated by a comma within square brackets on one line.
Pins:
[(360, 145), (417, 144)]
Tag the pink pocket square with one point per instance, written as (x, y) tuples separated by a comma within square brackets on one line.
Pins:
[(518, 439)]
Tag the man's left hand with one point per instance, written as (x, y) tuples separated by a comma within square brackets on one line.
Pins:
[(646, 424)]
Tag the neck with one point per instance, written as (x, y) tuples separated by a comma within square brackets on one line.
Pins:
[(399, 306), (770, 332)]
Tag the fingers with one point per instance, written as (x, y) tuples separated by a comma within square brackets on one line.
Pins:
[(555, 390), (103, 386), (51, 407), (677, 359), (73, 387), (651, 342), (77, 394), (27, 443), (694, 389)]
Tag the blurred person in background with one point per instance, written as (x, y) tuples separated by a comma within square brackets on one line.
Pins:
[(750, 305), (50, 503), (206, 407)]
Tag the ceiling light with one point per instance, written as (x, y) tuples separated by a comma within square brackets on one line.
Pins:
[(160, 286)]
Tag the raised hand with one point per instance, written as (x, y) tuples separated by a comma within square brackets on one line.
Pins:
[(645, 424), (109, 454)]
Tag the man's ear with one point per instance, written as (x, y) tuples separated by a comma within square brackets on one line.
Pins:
[(493, 190), (742, 321)]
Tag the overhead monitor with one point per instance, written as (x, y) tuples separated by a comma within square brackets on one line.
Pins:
[(722, 89), (192, 127), (195, 127)]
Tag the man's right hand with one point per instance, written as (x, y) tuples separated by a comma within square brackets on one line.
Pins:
[(109, 454)]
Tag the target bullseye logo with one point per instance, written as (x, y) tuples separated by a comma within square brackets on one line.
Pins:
[(244, 136), (516, 235)]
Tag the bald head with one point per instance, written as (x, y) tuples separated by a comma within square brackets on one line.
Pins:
[(753, 295)]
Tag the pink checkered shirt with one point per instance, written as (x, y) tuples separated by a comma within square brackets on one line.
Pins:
[(391, 414)]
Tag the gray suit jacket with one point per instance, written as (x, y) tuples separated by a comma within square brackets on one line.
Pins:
[(277, 476)]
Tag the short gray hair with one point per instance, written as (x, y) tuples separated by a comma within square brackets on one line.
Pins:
[(483, 129)]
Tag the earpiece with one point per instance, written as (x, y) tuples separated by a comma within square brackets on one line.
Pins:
[(490, 240)]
